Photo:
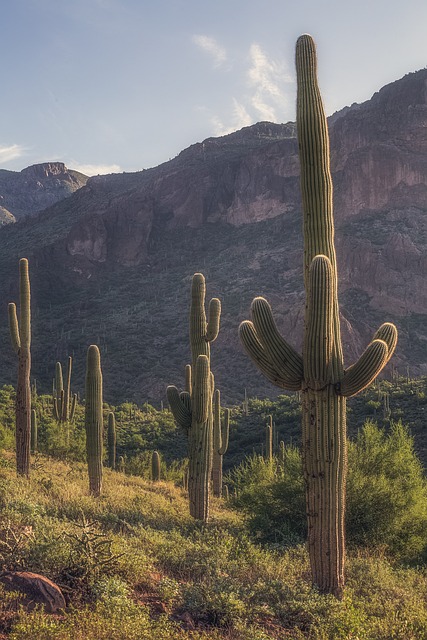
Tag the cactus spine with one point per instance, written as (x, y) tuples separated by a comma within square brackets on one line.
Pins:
[(192, 408), (221, 431), (111, 440), (155, 466), (94, 420), (320, 374), (20, 332), (269, 439), (33, 431)]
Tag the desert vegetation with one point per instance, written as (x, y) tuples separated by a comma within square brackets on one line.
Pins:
[(200, 521)]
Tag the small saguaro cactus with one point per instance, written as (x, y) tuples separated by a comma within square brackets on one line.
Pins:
[(33, 431), (192, 408), (221, 431), (155, 466), (319, 374), (94, 420), (63, 407), (121, 465), (269, 439), (111, 440), (20, 332)]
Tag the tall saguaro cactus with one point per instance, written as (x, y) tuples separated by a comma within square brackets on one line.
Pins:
[(20, 332), (221, 431), (319, 374), (192, 408), (94, 420)]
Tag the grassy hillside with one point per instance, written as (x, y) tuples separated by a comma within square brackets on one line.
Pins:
[(133, 566)]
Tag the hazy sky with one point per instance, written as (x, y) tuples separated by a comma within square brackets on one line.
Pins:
[(121, 85)]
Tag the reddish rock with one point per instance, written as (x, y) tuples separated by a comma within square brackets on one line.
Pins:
[(35, 590)]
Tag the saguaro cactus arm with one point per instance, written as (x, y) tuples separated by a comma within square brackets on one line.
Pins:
[(214, 314), (259, 355), (14, 327), (282, 356), (180, 410)]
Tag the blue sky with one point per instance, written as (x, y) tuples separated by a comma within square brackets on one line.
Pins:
[(120, 85)]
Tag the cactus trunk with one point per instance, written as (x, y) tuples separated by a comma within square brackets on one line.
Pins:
[(220, 443), (111, 440), (21, 342), (155, 466), (33, 431), (94, 420)]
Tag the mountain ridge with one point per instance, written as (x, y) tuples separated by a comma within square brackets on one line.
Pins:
[(125, 246)]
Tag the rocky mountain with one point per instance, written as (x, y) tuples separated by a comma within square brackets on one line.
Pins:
[(28, 191), (112, 264)]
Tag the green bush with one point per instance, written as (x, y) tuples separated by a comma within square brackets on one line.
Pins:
[(387, 492), (386, 495)]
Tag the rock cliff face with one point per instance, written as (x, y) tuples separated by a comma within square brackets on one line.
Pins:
[(36, 187), (230, 207)]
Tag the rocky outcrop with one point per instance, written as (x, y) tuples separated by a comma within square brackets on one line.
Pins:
[(37, 187), (35, 590)]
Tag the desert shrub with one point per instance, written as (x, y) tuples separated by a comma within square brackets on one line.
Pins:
[(386, 495), (387, 492)]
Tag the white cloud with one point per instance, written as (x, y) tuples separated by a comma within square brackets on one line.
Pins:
[(94, 169), (213, 48), (241, 118), (267, 77), (10, 153)]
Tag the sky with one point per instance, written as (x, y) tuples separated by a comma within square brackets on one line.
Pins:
[(107, 86)]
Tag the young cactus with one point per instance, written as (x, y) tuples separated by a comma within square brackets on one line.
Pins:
[(63, 407), (155, 466), (94, 420), (111, 440), (33, 431), (269, 439), (221, 431), (20, 332), (192, 408), (319, 373)]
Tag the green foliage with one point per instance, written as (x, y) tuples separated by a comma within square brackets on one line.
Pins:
[(137, 547), (386, 495)]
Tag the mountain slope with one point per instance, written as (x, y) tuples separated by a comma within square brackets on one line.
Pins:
[(33, 189), (112, 264)]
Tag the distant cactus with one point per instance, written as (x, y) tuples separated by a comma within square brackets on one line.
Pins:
[(155, 466), (319, 374), (33, 431), (220, 443), (192, 409), (121, 465), (111, 440), (94, 420), (185, 480), (225, 492), (269, 439), (63, 407), (21, 342)]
